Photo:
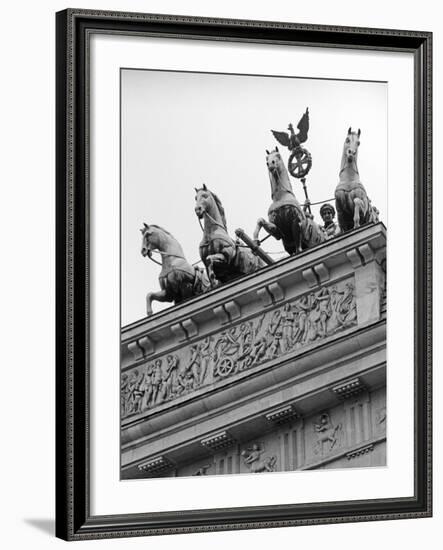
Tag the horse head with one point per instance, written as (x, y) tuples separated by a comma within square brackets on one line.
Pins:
[(275, 163), (208, 204), (350, 147), (153, 238), (278, 175)]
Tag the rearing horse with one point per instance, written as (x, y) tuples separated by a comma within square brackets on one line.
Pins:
[(287, 219), (223, 257), (178, 279), (351, 200)]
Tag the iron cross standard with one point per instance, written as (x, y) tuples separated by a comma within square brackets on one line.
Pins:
[(300, 159)]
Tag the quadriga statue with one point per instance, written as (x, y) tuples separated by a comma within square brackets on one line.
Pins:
[(178, 279), (286, 218), (224, 258), (351, 200)]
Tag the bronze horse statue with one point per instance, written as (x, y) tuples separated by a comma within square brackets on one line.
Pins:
[(287, 219), (178, 279), (351, 200), (224, 258)]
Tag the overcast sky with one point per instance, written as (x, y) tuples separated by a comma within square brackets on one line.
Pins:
[(182, 129)]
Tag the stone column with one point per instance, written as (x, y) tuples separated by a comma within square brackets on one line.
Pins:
[(348, 424), (367, 425), (291, 443), (236, 460), (301, 444), (281, 438)]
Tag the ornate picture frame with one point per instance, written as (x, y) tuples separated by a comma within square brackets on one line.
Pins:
[(75, 519)]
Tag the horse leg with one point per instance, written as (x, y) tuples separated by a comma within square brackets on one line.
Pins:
[(269, 227), (187, 290), (341, 219), (210, 261), (358, 211), (340, 206), (359, 203), (159, 296)]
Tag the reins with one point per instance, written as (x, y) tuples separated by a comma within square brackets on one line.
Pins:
[(224, 228), (163, 254)]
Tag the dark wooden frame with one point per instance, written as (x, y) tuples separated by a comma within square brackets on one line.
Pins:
[(73, 518)]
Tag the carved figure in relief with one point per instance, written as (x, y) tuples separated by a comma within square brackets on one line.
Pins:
[(124, 395), (194, 366), (326, 434), (335, 298), (348, 309), (276, 346), (380, 419), (323, 301), (170, 384), (132, 379), (178, 279), (146, 389), (206, 357), (300, 308), (246, 341), (314, 316), (252, 459), (184, 376), (288, 320), (156, 380), (274, 323), (259, 348)]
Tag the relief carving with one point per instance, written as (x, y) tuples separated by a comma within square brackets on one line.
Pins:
[(380, 419), (252, 459), (306, 319), (327, 434)]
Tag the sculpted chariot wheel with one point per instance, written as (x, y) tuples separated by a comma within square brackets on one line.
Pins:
[(225, 366), (300, 162)]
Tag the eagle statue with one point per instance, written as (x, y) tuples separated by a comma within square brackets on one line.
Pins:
[(292, 140), (300, 160)]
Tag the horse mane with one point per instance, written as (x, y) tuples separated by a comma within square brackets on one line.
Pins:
[(220, 208), (218, 204), (162, 229)]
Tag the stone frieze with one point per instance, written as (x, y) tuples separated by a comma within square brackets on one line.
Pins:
[(306, 319)]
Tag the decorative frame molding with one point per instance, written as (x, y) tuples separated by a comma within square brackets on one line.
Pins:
[(73, 30)]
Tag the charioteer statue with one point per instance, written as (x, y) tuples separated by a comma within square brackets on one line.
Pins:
[(327, 213)]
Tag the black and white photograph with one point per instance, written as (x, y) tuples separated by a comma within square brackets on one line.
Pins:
[(253, 304), (243, 275), (218, 280)]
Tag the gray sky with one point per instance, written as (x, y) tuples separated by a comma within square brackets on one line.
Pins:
[(182, 129)]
